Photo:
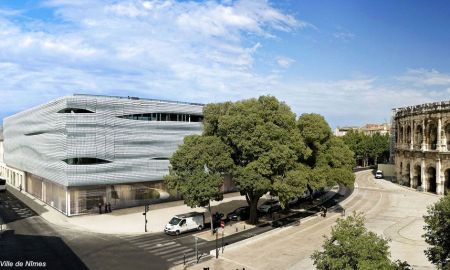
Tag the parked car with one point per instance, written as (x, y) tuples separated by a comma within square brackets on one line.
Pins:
[(185, 222), (241, 213), (2, 185), (293, 201), (379, 174), (269, 206)]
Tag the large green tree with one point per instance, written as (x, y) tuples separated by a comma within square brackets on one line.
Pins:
[(270, 151), (265, 144), (352, 246), (329, 159), (197, 170), (437, 233)]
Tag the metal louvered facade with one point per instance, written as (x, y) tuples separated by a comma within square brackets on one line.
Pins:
[(85, 142)]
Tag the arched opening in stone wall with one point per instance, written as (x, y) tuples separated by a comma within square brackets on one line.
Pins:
[(447, 136), (447, 182), (432, 136), (408, 134), (431, 179), (417, 177), (407, 173), (401, 135), (418, 137), (397, 135)]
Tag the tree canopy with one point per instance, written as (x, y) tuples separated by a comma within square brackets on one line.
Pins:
[(329, 159), (365, 147), (352, 246), (197, 170), (437, 233), (266, 144), (266, 149)]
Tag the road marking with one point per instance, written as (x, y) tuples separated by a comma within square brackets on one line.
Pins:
[(162, 248), (179, 258), (174, 250), (165, 244), (147, 241)]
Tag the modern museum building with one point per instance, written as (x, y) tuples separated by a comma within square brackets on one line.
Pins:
[(78, 151)]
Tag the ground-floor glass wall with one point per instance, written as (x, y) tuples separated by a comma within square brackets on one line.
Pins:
[(47, 191), (86, 199)]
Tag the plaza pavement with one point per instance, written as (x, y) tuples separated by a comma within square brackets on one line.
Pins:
[(393, 211), (131, 220), (128, 220)]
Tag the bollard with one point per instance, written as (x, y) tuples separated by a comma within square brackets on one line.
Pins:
[(244, 226)]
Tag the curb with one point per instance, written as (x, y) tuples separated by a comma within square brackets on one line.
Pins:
[(280, 229), (276, 230)]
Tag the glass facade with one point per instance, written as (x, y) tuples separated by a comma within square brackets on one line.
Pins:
[(86, 199), (46, 191), (176, 117)]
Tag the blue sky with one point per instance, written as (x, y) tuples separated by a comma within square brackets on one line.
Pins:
[(351, 61)]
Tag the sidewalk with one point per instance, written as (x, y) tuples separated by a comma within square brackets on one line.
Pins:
[(131, 220), (127, 220)]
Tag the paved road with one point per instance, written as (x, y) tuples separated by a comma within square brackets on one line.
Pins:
[(30, 237), (65, 248), (26, 243), (392, 211)]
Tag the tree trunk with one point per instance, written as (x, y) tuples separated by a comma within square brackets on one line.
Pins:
[(253, 219), (210, 214), (311, 195)]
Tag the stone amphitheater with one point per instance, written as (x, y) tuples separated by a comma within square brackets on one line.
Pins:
[(422, 146)]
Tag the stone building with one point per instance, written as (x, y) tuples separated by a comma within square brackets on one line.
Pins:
[(368, 129), (422, 146)]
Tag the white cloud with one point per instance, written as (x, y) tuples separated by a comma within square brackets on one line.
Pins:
[(425, 77), (284, 62), (188, 51), (354, 101), (194, 51)]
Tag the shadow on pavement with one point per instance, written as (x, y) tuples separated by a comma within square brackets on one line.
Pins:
[(34, 251), (12, 209)]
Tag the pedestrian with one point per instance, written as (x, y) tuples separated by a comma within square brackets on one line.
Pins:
[(324, 211), (20, 187), (99, 207), (106, 208), (109, 207)]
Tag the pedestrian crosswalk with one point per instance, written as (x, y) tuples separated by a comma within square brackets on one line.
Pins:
[(8, 203), (166, 248)]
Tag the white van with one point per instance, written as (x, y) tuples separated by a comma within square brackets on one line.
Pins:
[(2, 185), (185, 222), (379, 174)]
